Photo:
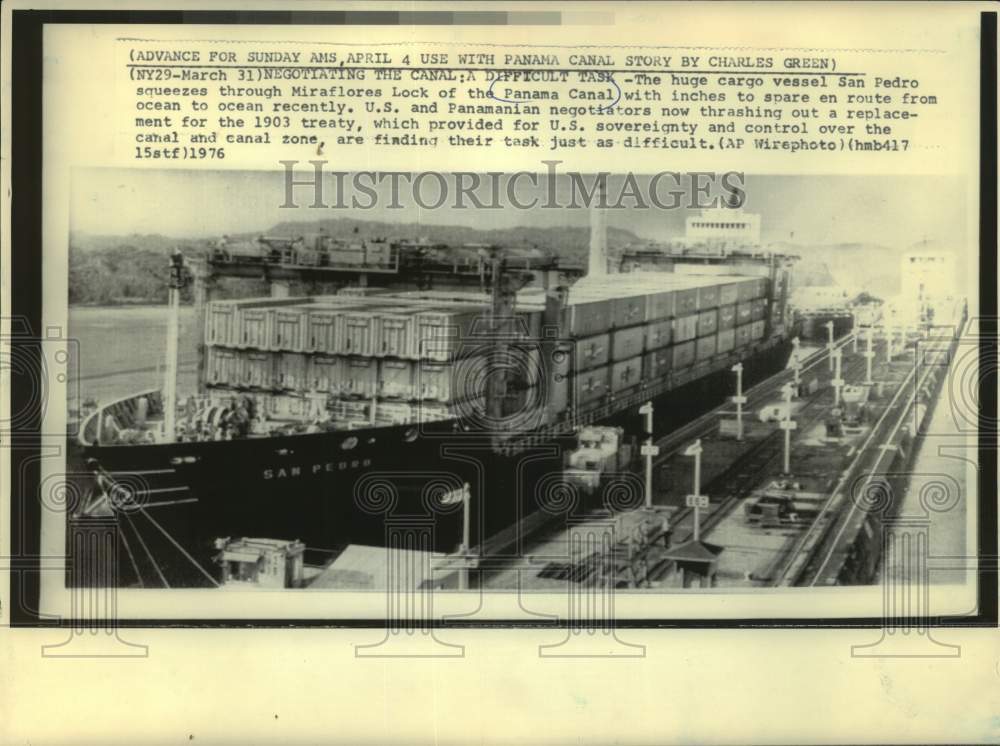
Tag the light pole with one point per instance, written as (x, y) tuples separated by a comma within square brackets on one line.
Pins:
[(739, 399), (838, 381), (463, 495), (854, 330), (829, 344), (796, 363), (178, 279), (696, 500), (787, 424), (869, 354), (888, 343), (649, 450)]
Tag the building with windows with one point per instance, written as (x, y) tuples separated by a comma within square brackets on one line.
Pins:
[(723, 228)]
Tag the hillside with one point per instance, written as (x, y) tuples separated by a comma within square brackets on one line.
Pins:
[(112, 270), (109, 269)]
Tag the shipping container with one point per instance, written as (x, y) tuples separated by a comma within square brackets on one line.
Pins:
[(656, 365), (757, 330), (220, 324), (257, 370), (360, 377), (744, 313), (443, 334), (777, 316), (396, 379), (729, 294), (683, 355), (590, 387), (626, 375), (747, 290), (727, 317), (222, 367), (627, 343), (761, 287), (359, 331), (628, 310), (758, 309), (393, 413), (433, 381), (726, 340), (396, 336), (287, 328), (660, 305), (290, 370), (685, 328), (708, 322), (743, 335), (252, 328), (708, 297), (326, 374), (685, 302), (706, 347), (322, 334), (283, 407), (658, 333), (592, 352), (589, 318), (430, 411)]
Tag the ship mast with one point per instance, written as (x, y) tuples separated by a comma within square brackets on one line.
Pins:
[(178, 279)]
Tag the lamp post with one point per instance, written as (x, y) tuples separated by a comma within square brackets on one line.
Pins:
[(696, 500), (829, 344), (869, 354), (739, 399), (649, 450), (796, 363), (838, 381), (463, 577), (178, 279), (787, 424)]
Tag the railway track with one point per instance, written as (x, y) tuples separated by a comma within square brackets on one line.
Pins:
[(741, 477), (808, 560), (671, 443)]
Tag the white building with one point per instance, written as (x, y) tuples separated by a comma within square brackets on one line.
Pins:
[(927, 283), (723, 228)]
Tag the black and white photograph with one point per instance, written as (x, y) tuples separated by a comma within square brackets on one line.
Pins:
[(646, 384)]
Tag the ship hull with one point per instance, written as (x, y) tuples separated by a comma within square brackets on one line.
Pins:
[(359, 486)]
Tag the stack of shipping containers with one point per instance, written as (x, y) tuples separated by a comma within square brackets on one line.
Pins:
[(416, 355)]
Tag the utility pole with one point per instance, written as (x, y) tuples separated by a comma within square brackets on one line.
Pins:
[(829, 344), (787, 424), (463, 575), (178, 279), (739, 399), (838, 381), (649, 450), (869, 354), (796, 364), (696, 500)]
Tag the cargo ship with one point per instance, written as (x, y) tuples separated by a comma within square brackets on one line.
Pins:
[(333, 419)]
